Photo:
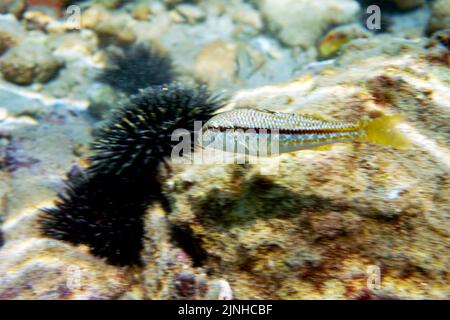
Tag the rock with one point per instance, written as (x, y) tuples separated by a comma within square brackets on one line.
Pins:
[(37, 157), (103, 100), (306, 225), (248, 20), (47, 269), (142, 11), (171, 3), (4, 182), (74, 47), (442, 37), (11, 33), (407, 25), (302, 22), (191, 13), (18, 66), (16, 7), (157, 8), (111, 28), (336, 38), (373, 47), (248, 60), (440, 16), (176, 17), (219, 290), (409, 4), (94, 15), (178, 38), (286, 226), (246, 15), (115, 31), (18, 105), (110, 4), (216, 64), (37, 20), (169, 272)]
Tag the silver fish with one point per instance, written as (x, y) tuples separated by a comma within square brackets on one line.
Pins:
[(266, 133)]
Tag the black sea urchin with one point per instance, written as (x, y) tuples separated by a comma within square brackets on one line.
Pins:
[(138, 67), (139, 136), (103, 213), (102, 207)]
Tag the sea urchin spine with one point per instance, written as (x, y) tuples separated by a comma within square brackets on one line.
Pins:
[(102, 206), (136, 68)]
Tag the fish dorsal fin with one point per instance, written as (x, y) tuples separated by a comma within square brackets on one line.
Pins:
[(310, 115), (316, 116), (267, 110)]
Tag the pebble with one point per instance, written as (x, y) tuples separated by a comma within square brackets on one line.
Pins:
[(191, 13)]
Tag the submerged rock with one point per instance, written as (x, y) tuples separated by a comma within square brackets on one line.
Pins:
[(110, 28), (48, 269), (440, 16), (313, 224), (307, 225), (21, 67), (336, 38), (172, 264), (11, 33), (248, 20), (191, 13), (37, 156), (103, 100), (16, 7), (115, 31), (302, 22), (216, 64), (409, 4), (110, 4), (142, 11)]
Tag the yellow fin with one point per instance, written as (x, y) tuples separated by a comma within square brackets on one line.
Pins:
[(383, 131)]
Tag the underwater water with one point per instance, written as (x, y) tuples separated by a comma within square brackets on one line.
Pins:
[(105, 193)]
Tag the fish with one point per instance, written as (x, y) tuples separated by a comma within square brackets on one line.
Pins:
[(267, 133)]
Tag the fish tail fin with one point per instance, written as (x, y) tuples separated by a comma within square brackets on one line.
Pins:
[(382, 130)]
